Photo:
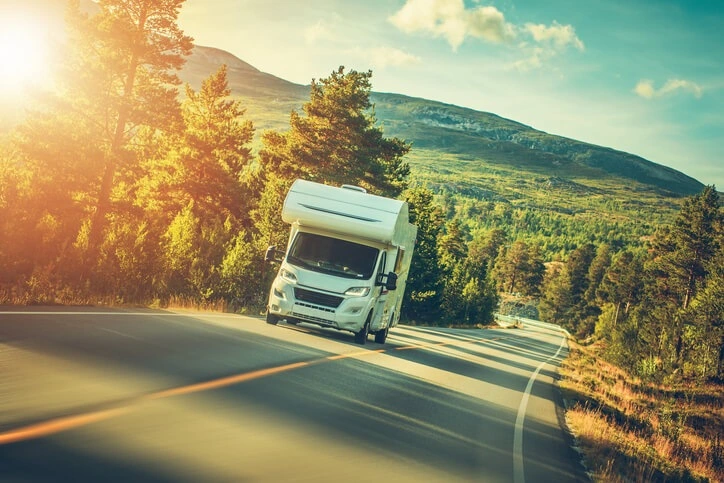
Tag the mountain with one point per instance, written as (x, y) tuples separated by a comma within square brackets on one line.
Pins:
[(444, 131), (244, 79), (454, 149)]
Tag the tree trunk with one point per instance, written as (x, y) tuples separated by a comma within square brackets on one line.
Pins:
[(98, 221), (690, 286), (615, 315)]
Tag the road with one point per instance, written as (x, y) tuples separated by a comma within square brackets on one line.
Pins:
[(140, 395)]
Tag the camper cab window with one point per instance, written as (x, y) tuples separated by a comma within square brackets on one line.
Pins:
[(324, 254), (381, 268)]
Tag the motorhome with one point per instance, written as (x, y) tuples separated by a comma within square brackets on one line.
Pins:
[(346, 262)]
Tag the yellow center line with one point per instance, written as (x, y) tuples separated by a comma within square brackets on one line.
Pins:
[(58, 425), (225, 381), (354, 354), (66, 423)]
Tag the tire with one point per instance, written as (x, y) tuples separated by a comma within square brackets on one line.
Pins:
[(361, 336), (381, 336), (272, 319), (292, 321)]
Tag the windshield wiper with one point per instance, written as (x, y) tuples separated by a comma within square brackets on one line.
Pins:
[(298, 261)]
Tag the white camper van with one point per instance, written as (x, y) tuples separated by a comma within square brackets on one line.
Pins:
[(346, 262)]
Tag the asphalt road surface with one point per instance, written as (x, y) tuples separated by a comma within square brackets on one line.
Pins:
[(138, 395)]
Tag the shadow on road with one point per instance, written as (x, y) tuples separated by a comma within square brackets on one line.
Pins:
[(352, 400)]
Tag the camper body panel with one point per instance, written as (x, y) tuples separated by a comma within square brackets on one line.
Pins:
[(342, 246), (346, 212), (401, 266)]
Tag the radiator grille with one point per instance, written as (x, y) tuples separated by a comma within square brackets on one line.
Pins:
[(317, 298)]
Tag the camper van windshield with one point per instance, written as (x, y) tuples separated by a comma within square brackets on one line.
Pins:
[(330, 255)]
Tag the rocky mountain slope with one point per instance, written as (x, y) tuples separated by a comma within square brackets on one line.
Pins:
[(435, 127)]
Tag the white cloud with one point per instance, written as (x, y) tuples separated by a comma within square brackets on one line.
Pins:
[(534, 60), (645, 88), (488, 23), (382, 57), (557, 35), (318, 31), (452, 21), (675, 84), (547, 42)]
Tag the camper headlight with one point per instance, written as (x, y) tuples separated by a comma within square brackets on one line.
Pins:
[(287, 275), (358, 291)]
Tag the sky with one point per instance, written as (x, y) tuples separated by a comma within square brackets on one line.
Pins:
[(642, 76)]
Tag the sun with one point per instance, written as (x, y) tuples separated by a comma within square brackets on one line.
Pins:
[(23, 53)]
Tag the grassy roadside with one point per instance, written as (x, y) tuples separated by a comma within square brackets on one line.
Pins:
[(629, 430)]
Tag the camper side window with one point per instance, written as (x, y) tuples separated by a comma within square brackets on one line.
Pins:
[(398, 261), (383, 264)]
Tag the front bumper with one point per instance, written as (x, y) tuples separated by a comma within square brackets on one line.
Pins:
[(350, 314)]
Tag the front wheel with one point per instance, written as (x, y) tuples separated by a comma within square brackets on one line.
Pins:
[(361, 336), (272, 319), (381, 336)]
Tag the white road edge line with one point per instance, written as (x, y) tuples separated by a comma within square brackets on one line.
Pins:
[(518, 473)]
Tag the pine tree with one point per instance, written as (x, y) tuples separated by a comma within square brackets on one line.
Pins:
[(532, 281), (197, 182), (706, 340), (511, 261), (483, 250), (211, 155), (682, 252), (336, 140), (597, 271), (452, 246), (118, 76), (684, 248), (703, 345), (16, 242), (520, 269), (452, 254), (622, 283), (556, 298), (677, 318), (578, 266), (424, 286)]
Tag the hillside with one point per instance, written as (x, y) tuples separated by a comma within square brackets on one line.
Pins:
[(475, 157), (460, 135)]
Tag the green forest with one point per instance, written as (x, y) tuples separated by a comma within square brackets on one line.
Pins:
[(123, 186)]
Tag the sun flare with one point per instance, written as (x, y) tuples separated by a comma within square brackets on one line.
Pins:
[(23, 53)]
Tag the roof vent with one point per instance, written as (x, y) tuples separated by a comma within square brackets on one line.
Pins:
[(354, 188)]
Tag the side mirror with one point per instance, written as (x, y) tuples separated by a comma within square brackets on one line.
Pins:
[(391, 281), (270, 254)]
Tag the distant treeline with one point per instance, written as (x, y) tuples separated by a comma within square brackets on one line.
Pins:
[(660, 308), (117, 189), (658, 303)]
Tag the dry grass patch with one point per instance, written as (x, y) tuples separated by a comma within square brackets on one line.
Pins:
[(629, 430)]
